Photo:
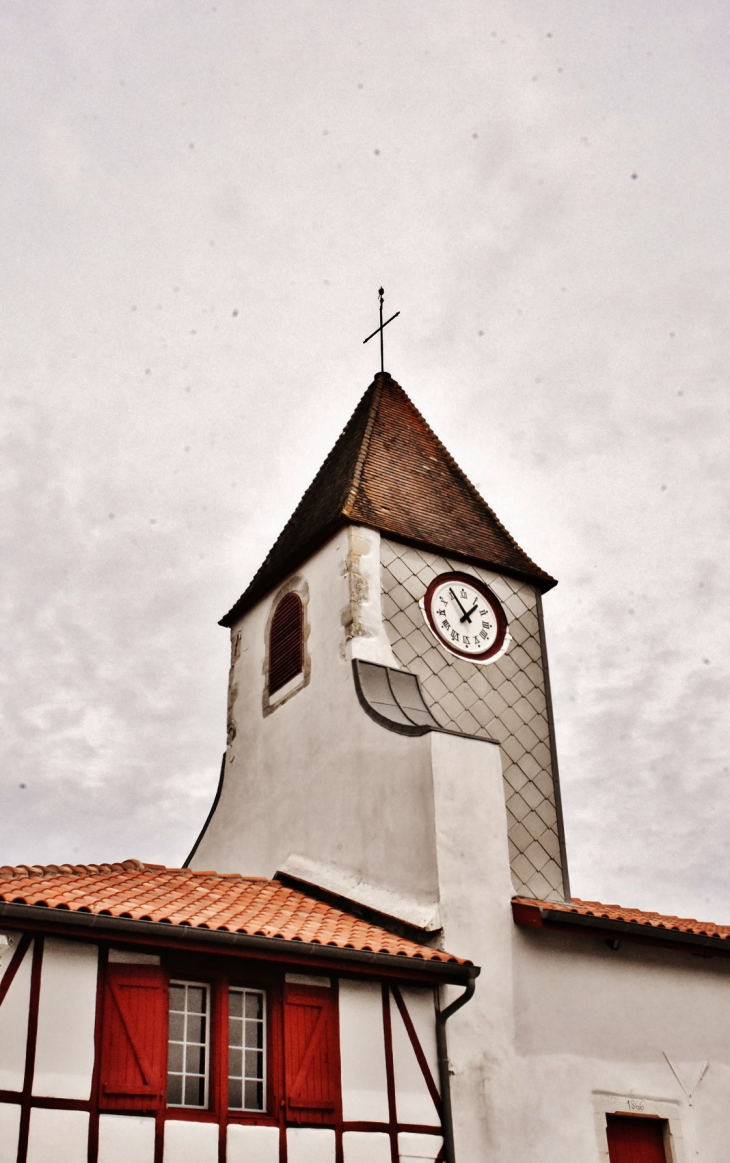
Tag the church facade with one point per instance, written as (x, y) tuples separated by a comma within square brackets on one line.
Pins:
[(387, 963)]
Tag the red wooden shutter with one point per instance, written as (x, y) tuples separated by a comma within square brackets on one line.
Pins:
[(311, 1054), (285, 642), (134, 1038), (635, 1140)]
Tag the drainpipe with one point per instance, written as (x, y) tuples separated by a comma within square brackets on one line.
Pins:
[(442, 1018)]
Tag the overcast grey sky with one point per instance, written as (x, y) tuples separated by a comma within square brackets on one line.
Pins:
[(198, 203)]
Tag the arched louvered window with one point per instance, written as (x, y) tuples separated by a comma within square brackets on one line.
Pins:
[(285, 642)]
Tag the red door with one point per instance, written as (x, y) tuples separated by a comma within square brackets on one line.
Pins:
[(635, 1140)]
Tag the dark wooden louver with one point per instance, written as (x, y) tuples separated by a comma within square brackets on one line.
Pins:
[(285, 643)]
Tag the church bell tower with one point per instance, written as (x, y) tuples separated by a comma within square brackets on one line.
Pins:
[(389, 687)]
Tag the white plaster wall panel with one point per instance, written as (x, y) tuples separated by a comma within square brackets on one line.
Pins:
[(14, 1024), (58, 1136), (252, 1144), (413, 1100), (504, 701), (365, 1147), (310, 1145), (126, 1139), (8, 945), (190, 1142), (668, 1003), (362, 1052), (412, 1146), (66, 1015), (315, 775), (477, 918), (9, 1123)]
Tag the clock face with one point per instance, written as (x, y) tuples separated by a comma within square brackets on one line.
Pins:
[(465, 617)]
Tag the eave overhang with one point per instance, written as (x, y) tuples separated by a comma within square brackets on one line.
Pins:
[(85, 926), (558, 921)]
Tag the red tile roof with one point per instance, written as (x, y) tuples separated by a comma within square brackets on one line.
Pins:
[(388, 470), (637, 917), (202, 900)]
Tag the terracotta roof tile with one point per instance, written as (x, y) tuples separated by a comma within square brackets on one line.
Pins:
[(634, 916), (203, 900), (388, 470)]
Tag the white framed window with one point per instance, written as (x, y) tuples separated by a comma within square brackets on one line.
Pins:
[(188, 1044), (246, 1049)]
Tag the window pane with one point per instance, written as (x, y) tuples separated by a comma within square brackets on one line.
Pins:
[(196, 1028), (177, 1027), (195, 1060), (188, 1049), (255, 1034), (196, 999), (254, 1005), (177, 997), (248, 1065), (254, 1096), (194, 1091)]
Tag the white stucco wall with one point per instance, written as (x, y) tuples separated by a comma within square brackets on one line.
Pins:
[(366, 1147), (66, 1015), (561, 1028), (14, 1018), (253, 1144), (126, 1139), (412, 1147), (310, 1145), (190, 1142), (316, 776), (362, 1052), (58, 1136), (412, 1097), (9, 1123)]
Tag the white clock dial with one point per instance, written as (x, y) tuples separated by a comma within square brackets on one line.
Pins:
[(465, 617)]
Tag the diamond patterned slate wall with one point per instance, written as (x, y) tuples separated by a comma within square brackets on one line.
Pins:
[(504, 701)]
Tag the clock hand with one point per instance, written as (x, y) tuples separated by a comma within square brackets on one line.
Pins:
[(467, 617)]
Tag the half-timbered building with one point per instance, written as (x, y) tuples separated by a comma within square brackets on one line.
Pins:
[(388, 963), (149, 1013)]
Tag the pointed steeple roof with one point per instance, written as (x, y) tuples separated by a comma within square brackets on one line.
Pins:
[(389, 470)]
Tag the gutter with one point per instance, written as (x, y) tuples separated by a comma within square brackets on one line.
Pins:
[(272, 948), (534, 917), (442, 1017)]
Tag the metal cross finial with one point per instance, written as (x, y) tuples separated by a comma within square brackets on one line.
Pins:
[(381, 292)]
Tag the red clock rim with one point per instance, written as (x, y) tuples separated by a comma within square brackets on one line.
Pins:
[(477, 584)]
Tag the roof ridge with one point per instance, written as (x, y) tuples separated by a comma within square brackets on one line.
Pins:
[(365, 443), (41, 870), (129, 865)]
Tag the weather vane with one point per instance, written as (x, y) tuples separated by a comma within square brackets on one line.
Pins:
[(379, 330)]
